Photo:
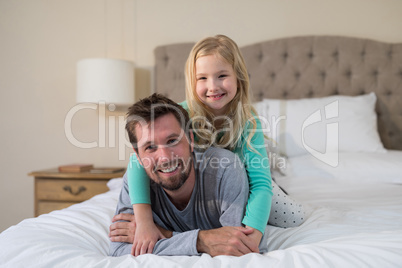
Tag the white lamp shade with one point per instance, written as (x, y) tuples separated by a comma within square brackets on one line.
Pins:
[(108, 80)]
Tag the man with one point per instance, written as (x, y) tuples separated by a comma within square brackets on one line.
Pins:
[(198, 198)]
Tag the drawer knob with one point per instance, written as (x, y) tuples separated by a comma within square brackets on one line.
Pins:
[(67, 188)]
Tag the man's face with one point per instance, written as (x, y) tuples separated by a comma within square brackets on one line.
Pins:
[(165, 152)]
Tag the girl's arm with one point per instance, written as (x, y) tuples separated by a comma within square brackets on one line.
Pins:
[(258, 171), (146, 233)]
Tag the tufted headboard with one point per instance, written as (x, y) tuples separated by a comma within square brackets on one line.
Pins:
[(306, 67)]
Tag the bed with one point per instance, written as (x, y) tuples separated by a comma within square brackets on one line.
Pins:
[(332, 110)]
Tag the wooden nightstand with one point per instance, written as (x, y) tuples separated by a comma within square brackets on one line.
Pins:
[(57, 190)]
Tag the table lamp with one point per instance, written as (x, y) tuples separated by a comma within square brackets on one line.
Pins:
[(105, 80)]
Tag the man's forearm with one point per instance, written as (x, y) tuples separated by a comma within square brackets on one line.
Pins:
[(202, 244)]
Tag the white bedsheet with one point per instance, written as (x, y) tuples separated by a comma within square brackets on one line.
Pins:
[(352, 224)]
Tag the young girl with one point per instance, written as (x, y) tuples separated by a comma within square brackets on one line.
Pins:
[(218, 101)]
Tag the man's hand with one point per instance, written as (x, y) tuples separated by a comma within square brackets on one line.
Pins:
[(123, 231), (226, 240)]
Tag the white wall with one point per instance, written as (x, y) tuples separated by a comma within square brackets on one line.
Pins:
[(258, 20), (41, 41)]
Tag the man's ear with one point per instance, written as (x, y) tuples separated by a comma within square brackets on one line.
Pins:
[(191, 140)]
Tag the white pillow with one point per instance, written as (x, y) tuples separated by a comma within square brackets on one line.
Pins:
[(115, 184), (321, 126), (367, 167)]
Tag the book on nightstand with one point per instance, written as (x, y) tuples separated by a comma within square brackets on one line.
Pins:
[(107, 170), (75, 168)]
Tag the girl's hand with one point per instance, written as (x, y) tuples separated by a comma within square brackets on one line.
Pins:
[(146, 236), (255, 235)]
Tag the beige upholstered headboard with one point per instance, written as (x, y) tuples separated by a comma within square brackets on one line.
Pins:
[(309, 66)]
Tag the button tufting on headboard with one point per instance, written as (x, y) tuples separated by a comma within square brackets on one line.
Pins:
[(363, 54), (166, 60), (348, 74), (260, 56), (390, 53)]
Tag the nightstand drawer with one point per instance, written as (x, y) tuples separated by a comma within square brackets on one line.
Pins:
[(56, 190), (48, 206), (69, 190)]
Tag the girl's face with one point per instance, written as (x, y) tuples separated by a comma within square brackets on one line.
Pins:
[(216, 83)]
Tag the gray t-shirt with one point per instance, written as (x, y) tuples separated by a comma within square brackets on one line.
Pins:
[(219, 199)]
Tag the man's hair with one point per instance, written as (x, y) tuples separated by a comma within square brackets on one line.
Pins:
[(149, 109)]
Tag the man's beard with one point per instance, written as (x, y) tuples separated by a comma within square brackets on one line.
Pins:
[(175, 182)]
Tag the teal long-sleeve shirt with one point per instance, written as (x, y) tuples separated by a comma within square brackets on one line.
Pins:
[(258, 172)]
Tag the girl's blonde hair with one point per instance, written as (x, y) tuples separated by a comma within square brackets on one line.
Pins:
[(240, 113)]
